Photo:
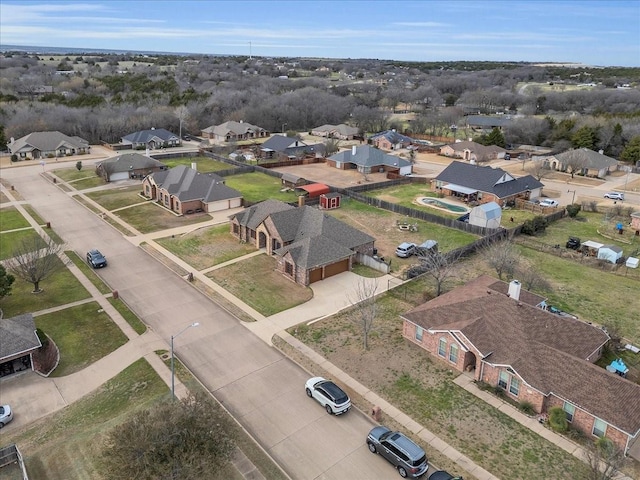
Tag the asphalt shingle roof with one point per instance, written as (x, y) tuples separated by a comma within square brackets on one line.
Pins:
[(393, 137), (588, 158), (188, 184), (368, 156), (145, 136), (487, 179), (47, 142), (548, 351), (130, 161), (18, 334)]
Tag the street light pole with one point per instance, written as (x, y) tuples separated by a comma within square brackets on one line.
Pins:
[(173, 371), (283, 127)]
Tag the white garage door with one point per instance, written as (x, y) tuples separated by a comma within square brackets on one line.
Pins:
[(119, 176)]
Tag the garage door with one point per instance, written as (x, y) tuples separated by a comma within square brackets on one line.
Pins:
[(315, 275), (336, 268), (119, 176)]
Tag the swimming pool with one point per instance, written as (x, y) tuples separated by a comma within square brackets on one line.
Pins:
[(438, 203)]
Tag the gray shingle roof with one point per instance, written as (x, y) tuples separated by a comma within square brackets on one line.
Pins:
[(368, 156), (393, 137), (46, 142), (487, 179), (145, 136), (17, 335), (588, 158), (130, 161), (236, 128), (188, 184), (280, 143), (256, 214)]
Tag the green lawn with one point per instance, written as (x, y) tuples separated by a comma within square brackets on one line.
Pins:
[(83, 334), (34, 215), (151, 218), (206, 247), (73, 174), (118, 197), (89, 182), (256, 283), (9, 241), (58, 289), (204, 164), (11, 218), (256, 187), (130, 317)]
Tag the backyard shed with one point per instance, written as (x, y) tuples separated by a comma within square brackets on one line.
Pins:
[(314, 189), (329, 201), (610, 253), (591, 248), (290, 180), (487, 215)]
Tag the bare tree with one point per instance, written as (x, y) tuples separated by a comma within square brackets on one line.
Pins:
[(364, 301), (439, 266), (604, 459), (539, 169), (34, 260), (531, 278), (502, 257), (573, 161), (331, 146)]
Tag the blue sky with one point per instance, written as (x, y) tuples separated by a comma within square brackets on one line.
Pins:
[(593, 32)]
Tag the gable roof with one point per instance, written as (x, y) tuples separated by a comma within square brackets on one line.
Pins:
[(187, 184), (18, 335), (491, 210), (280, 143), (130, 161), (145, 136), (477, 148), (236, 128), (392, 136), (588, 158), (368, 156), (547, 351), (487, 179), (342, 129), (46, 142), (253, 216)]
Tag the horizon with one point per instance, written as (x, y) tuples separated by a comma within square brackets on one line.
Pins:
[(577, 32)]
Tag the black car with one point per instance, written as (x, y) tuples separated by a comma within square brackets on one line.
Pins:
[(96, 259), (573, 243), (442, 475)]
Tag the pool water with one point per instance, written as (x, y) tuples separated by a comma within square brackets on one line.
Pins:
[(434, 202)]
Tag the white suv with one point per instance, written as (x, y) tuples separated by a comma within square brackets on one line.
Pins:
[(614, 195), (549, 203)]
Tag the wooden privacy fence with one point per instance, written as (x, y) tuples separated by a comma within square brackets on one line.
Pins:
[(9, 455)]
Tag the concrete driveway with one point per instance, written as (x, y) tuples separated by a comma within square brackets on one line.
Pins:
[(254, 381)]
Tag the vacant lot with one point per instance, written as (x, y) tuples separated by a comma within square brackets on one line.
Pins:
[(256, 187), (118, 197), (206, 247), (403, 374), (255, 282), (149, 217), (204, 164)]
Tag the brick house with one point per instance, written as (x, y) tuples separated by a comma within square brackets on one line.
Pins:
[(367, 159), (472, 151), (184, 190), (341, 132), (583, 161), (309, 244), (501, 333), (484, 184), (151, 139), (390, 140), (128, 165), (47, 145), (233, 132)]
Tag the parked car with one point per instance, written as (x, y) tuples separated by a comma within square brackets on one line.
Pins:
[(96, 259), (406, 249), (408, 458), (6, 415), (614, 195), (573, 243), (329, 395), (427, 248), (548, 203), (442, 475)]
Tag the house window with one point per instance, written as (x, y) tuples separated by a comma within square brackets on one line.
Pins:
[(503, 380), (453, 353), (570, 410), (514, 386), (599, 428), (288, 268), (442, 347), (419, 332)]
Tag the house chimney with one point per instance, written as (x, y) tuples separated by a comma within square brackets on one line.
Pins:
[(601, 152), (353, 150), (301, 199), (514, 289)]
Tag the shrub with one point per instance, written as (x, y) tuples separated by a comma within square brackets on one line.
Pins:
[(576, 435), (499, 391), (573, 210), (534, 225), (14, 158), (558, 419), (79, 165), (526, 407)]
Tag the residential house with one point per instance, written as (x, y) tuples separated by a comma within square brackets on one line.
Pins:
[(635, 222), (150, 139), (184, 190), (367, 159), (390, 140), (128, 165), (309, 244), (285, 148), (500, 334), (341, 132), (472, 151), (483, 184), (18, 342), (47, 145), (233, 132), (485, 123), (583, 161)]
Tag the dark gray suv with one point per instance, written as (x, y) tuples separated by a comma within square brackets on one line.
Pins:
[(408, 458)]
